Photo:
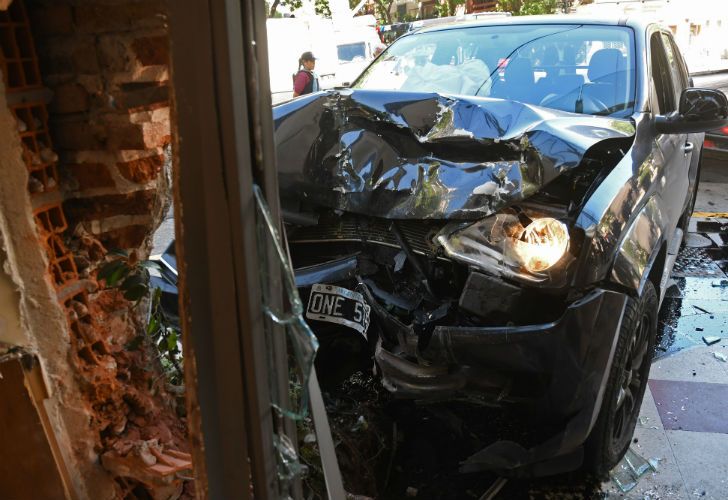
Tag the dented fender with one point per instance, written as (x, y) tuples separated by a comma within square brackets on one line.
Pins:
[(640, 247)]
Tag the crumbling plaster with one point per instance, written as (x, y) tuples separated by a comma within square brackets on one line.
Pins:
[(43, 320), (11, 332)]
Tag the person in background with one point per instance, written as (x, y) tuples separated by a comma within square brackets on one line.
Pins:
[(379, 49), (305, 81)]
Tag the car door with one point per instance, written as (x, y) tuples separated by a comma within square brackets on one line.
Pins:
[(674, 149), (681, 80)]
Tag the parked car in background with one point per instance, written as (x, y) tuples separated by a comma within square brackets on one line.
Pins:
[(716, 143), (491, 213)]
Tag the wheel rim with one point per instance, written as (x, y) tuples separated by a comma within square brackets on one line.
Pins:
[(632, 379)]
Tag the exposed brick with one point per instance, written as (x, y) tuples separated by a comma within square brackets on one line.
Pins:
[(125, 237), (70, 98), (142, 170), (53, 19), (99, 207), (77, 135), (91, 175), (97, 18), (137, 136), (151, 51), (113, 54), (85, 59), (136, 96)]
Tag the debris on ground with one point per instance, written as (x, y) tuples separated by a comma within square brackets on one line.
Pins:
[(629, 470), (720, 356), (701, 309), (722, 284), (711, 340)]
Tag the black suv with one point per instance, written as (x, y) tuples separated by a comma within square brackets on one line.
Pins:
[(492, 211)]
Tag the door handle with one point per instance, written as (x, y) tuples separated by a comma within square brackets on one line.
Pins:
[(688, 147)]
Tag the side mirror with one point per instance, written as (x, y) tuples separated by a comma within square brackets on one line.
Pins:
[(700, 110)]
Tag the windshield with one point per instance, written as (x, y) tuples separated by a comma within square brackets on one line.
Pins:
[(578, 68), (351, 51)]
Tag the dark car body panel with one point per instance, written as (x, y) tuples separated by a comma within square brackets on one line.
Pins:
[(629, 222), (400, 155), (388, 167)]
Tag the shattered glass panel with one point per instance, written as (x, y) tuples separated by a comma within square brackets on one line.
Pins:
[(630, 469), (294, 402)]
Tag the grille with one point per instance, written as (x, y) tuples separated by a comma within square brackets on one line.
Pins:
[(418, 234)]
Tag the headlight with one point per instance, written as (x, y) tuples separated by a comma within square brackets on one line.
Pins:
[(515, 244)]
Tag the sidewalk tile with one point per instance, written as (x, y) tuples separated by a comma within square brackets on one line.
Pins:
[(703, 461), (698, 360), (649, 416), (691, 406)]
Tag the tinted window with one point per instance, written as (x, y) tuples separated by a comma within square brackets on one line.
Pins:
[(576, 68), (679, 80), (664, 92)]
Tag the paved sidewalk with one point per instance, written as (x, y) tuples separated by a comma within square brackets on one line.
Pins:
[(684, 425), (684, 419)]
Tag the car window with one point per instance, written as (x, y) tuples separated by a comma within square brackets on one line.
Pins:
[(577, 68), (679, 80), (351, 51), (664, 92)]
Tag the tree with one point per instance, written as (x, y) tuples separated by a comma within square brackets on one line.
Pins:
[(448, 7), (320, 6), (527, 7), (383, 8)]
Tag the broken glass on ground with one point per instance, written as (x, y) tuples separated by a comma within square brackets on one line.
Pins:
[(630, 469)]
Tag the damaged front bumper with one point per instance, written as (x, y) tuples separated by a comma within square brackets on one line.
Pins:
[(562, 358), (559, 368)]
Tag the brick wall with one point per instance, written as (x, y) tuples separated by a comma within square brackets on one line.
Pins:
[(106, 63), (86, 130)]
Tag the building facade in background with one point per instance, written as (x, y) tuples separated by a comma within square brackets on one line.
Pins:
[(699, 26)]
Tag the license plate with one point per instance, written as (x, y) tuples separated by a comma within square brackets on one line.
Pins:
[(338, 305)]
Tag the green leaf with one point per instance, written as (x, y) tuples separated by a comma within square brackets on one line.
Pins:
[(118, 274), (135, 292), (118, 252), (172, 342), (108, 269), (152, 326), (133, 280)]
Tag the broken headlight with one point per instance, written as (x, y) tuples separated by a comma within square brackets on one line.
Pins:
[(512, 243)]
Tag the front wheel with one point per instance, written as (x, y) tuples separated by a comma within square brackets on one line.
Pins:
[(626, 385)]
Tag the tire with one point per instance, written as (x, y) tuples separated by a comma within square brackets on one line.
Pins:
[(612, 433)]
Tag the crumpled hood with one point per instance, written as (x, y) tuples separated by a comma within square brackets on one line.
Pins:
[(400, 155)]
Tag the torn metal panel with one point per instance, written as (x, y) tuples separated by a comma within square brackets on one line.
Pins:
[(426, 156)]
